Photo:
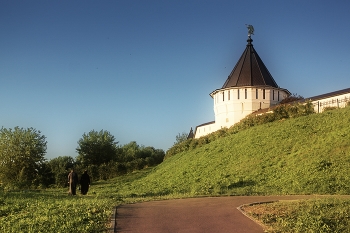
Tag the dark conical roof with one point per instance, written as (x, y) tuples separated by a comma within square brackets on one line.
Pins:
[(250, 70)]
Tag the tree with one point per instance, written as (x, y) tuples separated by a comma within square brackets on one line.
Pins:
[(21, 156), (45, 176), (96, 148), (292, 98), (60, 168), (181, 138), (129, 152)]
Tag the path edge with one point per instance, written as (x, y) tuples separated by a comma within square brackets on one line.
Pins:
[(239, 208), (113, 221)]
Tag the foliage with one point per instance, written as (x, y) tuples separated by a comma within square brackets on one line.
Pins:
[(130, 157), (291, 98), (330, 215), (96, 148), (60, 167), (181, 138), (45, 176), (282, 111), (21, 156)]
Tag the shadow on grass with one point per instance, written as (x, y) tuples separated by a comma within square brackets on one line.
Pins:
[(241, 184)]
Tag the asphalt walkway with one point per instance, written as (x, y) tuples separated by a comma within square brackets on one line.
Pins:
[(194, 215)]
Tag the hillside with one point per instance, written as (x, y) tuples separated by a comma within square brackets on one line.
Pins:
[(305, 155)]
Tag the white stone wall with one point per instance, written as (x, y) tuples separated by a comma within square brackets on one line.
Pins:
[(233, 104), (230, 111), (205, 129), (339, 101)]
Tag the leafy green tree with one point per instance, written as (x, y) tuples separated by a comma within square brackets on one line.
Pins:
[(129, 152), (21, 156), (60, 168), (96, 148), (45, 177)]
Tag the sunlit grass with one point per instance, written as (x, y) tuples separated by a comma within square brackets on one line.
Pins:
[(306, 155), (329, 215)]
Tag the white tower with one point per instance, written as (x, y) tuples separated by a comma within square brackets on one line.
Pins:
[(248, 88)]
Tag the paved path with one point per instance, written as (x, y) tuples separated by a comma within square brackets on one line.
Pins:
[(194, 215)]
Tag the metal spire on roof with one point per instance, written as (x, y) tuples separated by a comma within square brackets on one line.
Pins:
[(250, 69), (250, 30), (250, 33)]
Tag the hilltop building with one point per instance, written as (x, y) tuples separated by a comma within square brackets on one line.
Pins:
[(249, 88)]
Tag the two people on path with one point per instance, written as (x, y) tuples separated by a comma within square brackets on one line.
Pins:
[(74, 181)]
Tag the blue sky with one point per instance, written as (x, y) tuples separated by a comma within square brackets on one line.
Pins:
[(143, 70)]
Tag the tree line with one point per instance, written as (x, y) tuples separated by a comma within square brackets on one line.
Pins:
[(23, 163)]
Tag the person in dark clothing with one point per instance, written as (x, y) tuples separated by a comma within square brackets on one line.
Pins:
[(84, 183), (73, 182)]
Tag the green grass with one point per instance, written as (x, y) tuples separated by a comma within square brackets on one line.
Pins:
[(53, 211), (329, 215), (305, 155)]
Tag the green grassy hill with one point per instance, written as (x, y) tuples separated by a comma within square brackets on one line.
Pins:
[(305, 155)]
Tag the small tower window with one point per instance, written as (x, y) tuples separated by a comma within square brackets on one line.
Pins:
[(238, 94), (263, 93), (273, 94), (223, 96), (245, 93), (278, 96), (228, 93), (257, 94)]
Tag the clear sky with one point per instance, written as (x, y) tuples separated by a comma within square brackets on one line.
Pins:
[(143, 70)]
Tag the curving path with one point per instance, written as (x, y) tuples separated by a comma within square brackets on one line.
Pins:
[(194, 215)]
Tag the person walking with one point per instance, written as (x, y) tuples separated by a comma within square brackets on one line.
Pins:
[(84, 183), (72, 181)]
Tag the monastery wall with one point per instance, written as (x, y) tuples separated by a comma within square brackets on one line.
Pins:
[(339, 101), (229, 112)]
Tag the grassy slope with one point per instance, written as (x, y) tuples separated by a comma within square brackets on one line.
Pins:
[(296, 156)]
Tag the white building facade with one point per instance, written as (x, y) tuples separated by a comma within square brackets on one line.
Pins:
[(337, 99)]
